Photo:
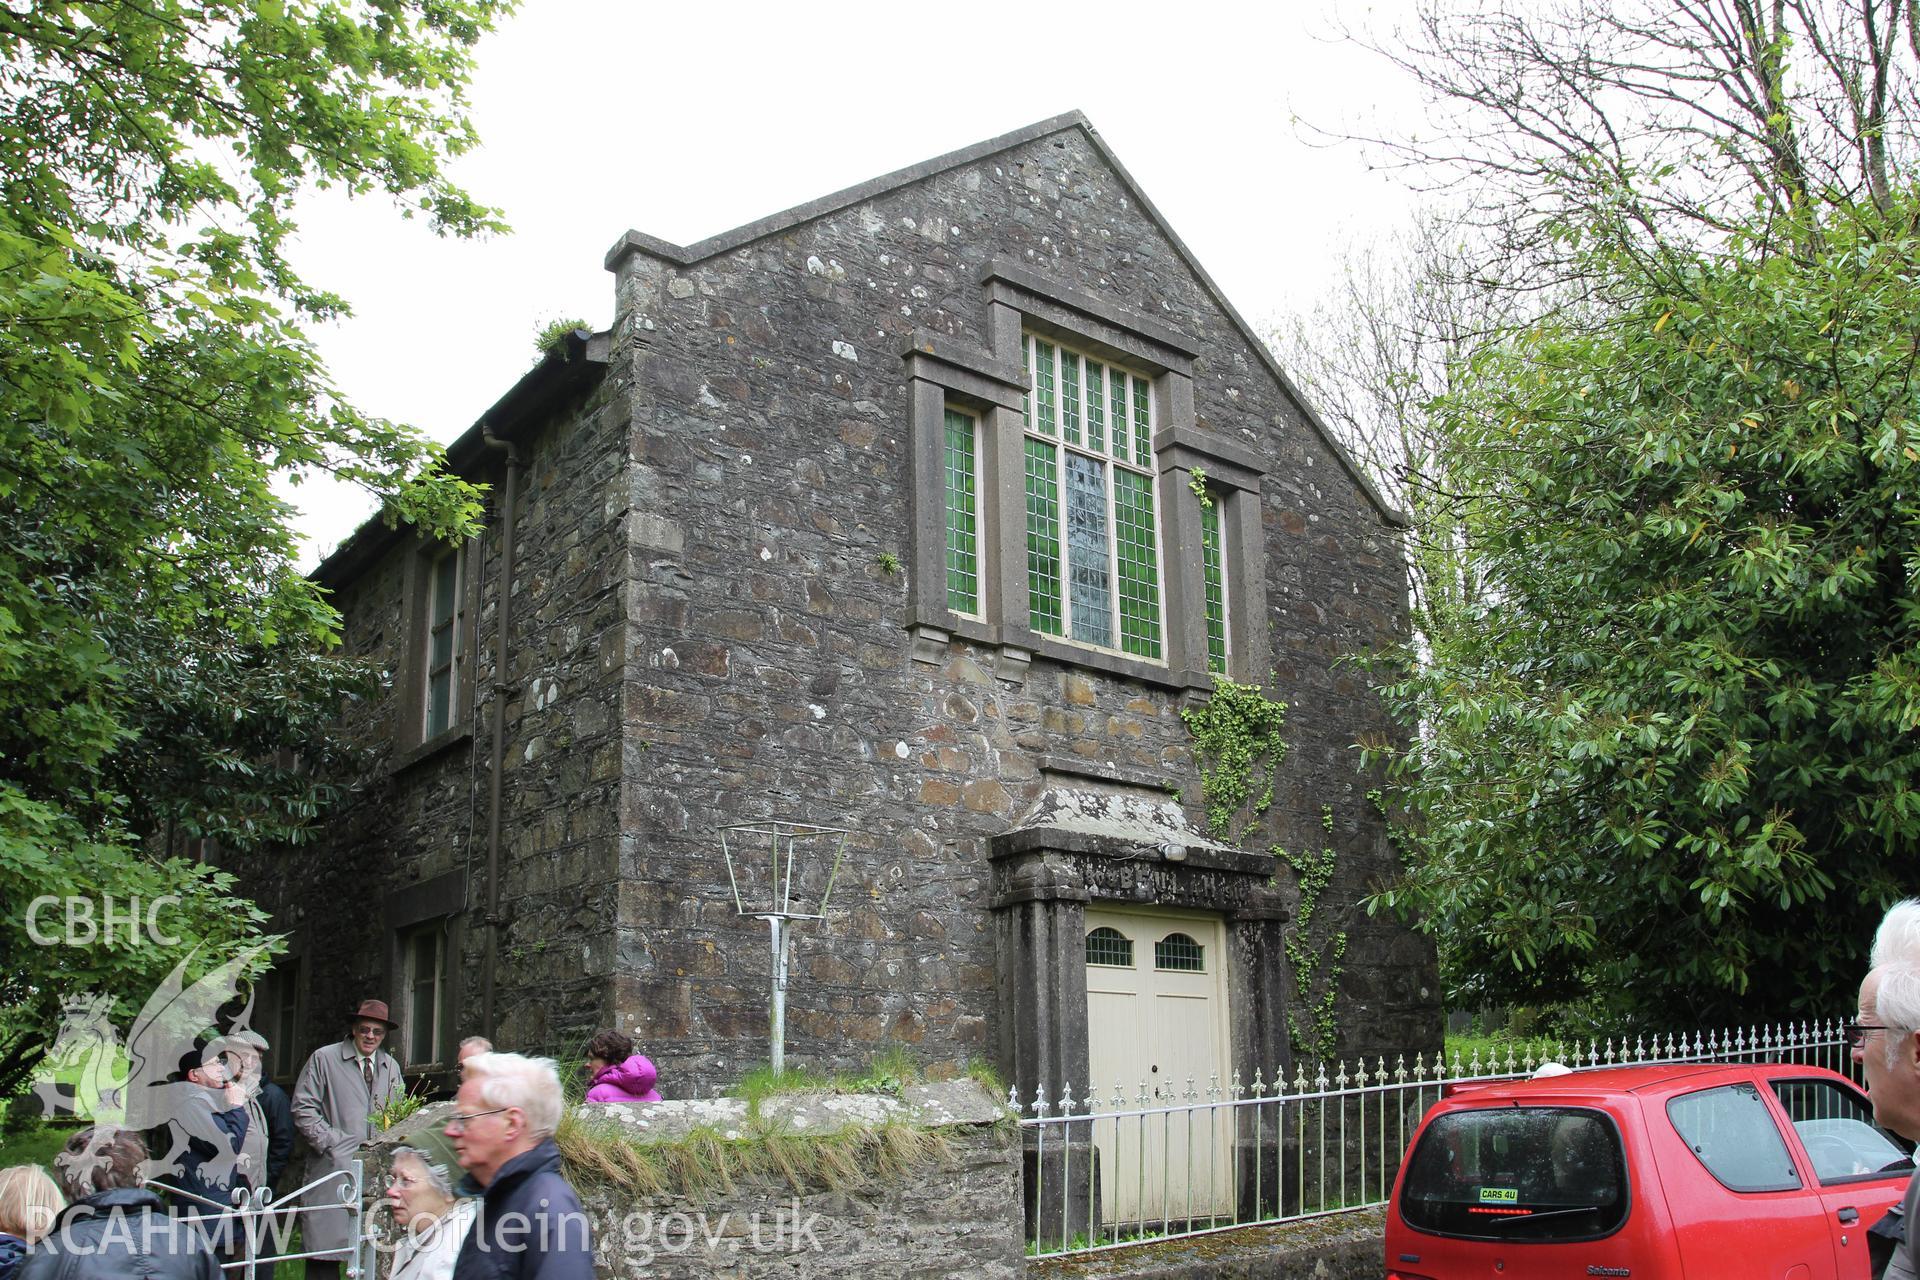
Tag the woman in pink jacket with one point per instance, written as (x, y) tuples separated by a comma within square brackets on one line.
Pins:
[(616, 1073)]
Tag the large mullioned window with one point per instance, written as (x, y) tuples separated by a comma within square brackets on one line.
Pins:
[(1093, 554)]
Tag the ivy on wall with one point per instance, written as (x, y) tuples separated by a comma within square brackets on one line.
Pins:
[(1316, 957), (1236, 738), (1237, 741)]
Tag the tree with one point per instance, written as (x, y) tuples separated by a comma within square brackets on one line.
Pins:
[(159, 655), (1672, 758), (1661, 757)]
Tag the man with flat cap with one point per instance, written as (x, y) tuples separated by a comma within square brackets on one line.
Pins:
[(339, 1090)]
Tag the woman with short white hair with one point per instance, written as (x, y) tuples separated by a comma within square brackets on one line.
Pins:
[(433, 1222)]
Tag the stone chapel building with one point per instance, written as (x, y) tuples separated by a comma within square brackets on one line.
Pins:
[(883, 513)]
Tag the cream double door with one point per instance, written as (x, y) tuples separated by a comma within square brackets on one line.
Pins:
[(1157, 1015)]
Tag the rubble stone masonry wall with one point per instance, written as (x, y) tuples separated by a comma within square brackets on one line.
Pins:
[(768, 670)]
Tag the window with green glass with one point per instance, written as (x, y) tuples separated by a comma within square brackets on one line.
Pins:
[(1212, 565), (1090, 494), (963, 533), (1043, 537)]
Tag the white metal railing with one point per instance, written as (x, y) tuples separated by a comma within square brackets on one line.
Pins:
[(1107, 1171), (258, 1225)]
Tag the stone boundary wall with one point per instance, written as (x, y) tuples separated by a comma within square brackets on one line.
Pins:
[(957, 1217)]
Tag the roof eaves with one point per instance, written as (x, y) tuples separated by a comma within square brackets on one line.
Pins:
[(579, 357)]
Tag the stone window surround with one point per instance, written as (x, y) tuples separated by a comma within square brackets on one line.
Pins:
[(440, 900), (989, 383), (410, 740), (281, 1000)]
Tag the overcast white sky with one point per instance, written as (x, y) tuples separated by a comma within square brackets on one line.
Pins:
[(687, 120)]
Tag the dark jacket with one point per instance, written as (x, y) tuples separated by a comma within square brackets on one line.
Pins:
[(13, 1250), (143, 1243), (278, 1109), (206, 1169), (531, 1225)]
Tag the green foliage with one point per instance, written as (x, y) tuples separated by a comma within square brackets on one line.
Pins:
[(1668, 759), (1316, 956), (403, 1105), (890, 1071), (555, 332), (158, 653), (887, 562), (1236, 738), (601, 1152)]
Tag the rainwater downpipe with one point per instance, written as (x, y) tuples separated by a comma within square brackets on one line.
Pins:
[(501, 688)]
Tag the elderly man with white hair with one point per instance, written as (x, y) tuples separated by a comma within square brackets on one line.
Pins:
[(531, 1224), (1885, 1040)]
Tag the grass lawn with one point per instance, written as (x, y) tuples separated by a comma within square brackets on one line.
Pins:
[(38, 1146)]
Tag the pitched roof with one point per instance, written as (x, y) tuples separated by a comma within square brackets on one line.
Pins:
[(873, 188)]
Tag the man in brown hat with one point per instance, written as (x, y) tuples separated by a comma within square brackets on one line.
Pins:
[(338, 1092)]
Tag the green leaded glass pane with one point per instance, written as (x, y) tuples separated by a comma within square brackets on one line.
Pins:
[(1142, 426), (1138, 563), (1070, 396), (1089, 573), (1043, 537), (1043, 385), (1211, 559), (1096, 407), (1117, 399), (963, 538)]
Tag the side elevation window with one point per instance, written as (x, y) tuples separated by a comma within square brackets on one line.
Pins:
[(444, 595), (280, 1016), (1092, 537), (423, 953)]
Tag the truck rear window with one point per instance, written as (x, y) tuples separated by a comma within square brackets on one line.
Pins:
[(1517, 1173)]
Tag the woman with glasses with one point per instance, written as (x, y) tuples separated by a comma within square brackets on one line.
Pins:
[(433, 1221)]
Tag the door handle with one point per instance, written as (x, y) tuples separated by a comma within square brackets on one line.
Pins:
[(1848, 1216)]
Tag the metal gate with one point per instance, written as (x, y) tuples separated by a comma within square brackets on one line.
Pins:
[(263, 1223)]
